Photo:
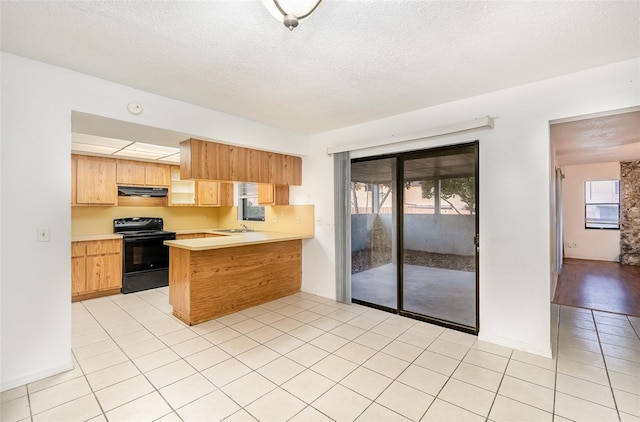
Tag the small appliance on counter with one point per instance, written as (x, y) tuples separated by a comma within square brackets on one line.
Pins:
[(145, 258)]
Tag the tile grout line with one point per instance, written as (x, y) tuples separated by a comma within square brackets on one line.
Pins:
[(606, 369), (451, 376), (392, 379), (324, 331), (130, 360), (84, 375), (181, 358), (555, 375), (593, 366)]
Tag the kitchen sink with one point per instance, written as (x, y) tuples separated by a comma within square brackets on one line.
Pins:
[(235, 231)]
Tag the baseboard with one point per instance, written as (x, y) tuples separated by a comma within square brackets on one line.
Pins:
[(524, 347), (34, 376), (593, 258)]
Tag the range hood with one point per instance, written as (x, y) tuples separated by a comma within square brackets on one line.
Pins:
[(143, 191)]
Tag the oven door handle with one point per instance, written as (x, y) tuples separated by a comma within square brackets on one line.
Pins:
[(141, 238)]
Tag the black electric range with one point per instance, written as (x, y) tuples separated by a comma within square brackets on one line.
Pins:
[(145, 258)]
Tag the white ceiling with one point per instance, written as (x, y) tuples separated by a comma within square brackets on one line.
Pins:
[(352, 61), (605, 138)]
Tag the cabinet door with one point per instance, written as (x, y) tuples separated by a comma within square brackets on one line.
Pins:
[(281, 194), (265, 164), (276, 170), (157, 175), (130, 173), (225, 194), (252, 163), (269, 194), (292, 170), (74, 179), (104, 272), (266, 195), (96, 182), (223, 158), (208, 194), (238, 164), (78, 275)]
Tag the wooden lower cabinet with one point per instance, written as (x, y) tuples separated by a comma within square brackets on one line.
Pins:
[(184, 236), (208, 284), (96, 268)]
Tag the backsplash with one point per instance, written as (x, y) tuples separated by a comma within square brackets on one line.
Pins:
[(99, 220), (281, 218), (278, 218)]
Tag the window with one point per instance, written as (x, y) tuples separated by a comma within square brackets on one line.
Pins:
[(602, 204), (248, 208)]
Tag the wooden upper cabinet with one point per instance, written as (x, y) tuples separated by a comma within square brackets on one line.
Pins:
[(238, 164), (223, 158), (198, 160), (292, 170), (208, 194), (276, 169), (139, 173), (157, 175), (130, 173), (264, 164), (266, 194), (214, 194), (226, 194), (96, 181), (252, 164), (205, 160), (74, 179), (269, 194)]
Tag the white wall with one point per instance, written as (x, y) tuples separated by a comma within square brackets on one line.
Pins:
[(37, 101), (603, 245), (515, 178)]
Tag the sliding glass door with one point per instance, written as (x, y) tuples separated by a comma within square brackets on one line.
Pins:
[(414, 233), (373, 232)]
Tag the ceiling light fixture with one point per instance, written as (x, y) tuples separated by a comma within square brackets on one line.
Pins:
[(294, 16)]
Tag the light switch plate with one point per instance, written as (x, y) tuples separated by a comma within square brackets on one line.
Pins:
[(43, 234)]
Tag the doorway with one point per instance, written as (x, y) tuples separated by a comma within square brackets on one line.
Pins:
[(414, 234)]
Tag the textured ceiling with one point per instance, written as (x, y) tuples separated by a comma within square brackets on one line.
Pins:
[(350, 62), (603, 139)]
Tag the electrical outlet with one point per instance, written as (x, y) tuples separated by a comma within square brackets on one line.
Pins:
[(297, 220), (318, 221), (43, 234)]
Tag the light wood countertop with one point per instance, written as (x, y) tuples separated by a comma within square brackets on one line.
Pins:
[(90, 237), (230, 240)]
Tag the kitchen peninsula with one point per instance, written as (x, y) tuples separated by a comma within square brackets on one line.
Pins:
[(214, 276)]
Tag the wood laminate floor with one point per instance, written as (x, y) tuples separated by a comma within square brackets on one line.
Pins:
[(601, 285)]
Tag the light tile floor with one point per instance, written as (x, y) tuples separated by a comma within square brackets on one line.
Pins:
[(306, 358)]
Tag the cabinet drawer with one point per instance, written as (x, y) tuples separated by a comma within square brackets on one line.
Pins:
[(100, 247), (78, 249)]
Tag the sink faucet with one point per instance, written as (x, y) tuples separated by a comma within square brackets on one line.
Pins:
[(245, 228)]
